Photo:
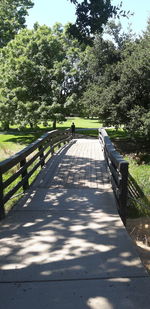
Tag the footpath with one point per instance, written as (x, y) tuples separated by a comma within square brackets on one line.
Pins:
[(63, 246)]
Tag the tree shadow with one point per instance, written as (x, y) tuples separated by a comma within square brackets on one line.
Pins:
[(69, 245), (27, 136)]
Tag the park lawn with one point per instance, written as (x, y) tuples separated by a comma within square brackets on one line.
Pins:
[(117, 134), (79, 123), (13, 143), (15, 140)]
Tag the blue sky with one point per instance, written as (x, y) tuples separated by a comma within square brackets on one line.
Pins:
[(50, 11)]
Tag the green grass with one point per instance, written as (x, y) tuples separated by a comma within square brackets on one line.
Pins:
[(139, 168), (118, 134), (82, 123), (12, 143), (123, 134), (92, 133), (79, 123), (141, 173), (15, 140)]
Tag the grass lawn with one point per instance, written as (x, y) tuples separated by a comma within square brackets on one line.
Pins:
[(15, 140), (12, 143), (82, 123), (117, 134)]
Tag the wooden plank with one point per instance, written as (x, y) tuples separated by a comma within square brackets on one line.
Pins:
[(41, 151), (116, 174), (2, 212), (24, 173)]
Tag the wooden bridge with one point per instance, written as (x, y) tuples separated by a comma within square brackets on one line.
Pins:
[(64, 245)]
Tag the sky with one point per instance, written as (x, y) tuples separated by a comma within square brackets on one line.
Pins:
[(49, 12)]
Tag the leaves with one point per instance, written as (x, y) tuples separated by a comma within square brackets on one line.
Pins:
[(119, 76), (41, 68), (92, 16), (12, 18)]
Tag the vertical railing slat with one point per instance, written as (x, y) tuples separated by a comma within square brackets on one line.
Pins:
[(123, 191), (2, 211), (42, 156), (24, 174)]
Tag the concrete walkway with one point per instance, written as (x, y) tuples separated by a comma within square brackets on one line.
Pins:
[(64, 245)]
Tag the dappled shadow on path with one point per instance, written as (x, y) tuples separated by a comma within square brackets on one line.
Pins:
[(78, 166), (67, 245), (69, 237)]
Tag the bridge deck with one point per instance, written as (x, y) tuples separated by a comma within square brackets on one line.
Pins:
[(64, 245)]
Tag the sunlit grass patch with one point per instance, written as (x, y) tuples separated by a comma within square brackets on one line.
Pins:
[(140, 171), (118, 134)]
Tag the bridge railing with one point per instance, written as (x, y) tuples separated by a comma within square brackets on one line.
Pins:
[(118, 168), (16, 172)]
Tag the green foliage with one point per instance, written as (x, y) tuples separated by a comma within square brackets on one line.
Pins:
[(12, 18), (119, 91), (42, 76), (92, 15)]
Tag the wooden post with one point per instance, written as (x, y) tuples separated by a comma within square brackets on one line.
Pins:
[(2, 211), (24, 174), (51, 146), (42, 156), (123, 191)]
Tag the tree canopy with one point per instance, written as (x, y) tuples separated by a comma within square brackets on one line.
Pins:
[(12, 18), (92, 16), (41, 76), (119, 92)]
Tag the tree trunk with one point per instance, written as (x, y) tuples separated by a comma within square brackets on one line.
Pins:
[(5, 126), (31, 125), (54, 124)]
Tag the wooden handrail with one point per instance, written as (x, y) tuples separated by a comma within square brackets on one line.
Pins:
[(32, 156), (118, 168)]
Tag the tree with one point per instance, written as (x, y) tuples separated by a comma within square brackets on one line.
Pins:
[(8, 105), (120, 94), (92, 16), (117, 35), (101, 70), (42, 69), (27, 65), (134, 87), (12, 18)]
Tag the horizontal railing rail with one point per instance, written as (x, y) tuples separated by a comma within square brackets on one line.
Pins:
[(26, 162), (118, 168)]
